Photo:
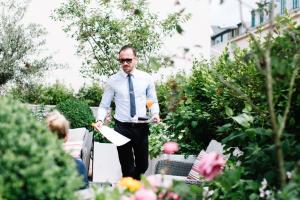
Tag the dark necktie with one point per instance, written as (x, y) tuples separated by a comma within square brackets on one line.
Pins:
[(132, 98)]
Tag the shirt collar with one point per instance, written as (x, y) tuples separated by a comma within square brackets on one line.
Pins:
[(133, 72)]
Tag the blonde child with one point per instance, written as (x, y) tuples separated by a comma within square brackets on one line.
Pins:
[(59, 125)]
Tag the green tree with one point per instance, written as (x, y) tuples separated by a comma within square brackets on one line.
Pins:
[(20, 45), (103, 27)]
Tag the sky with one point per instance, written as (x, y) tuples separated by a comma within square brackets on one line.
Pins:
[(228, 13), (196, 34), (59, 45)]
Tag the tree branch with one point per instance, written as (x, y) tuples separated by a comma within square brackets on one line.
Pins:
[(291, 86)]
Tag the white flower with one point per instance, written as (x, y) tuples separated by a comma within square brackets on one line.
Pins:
[(207, 193), (237, 152), (264, 184), (262, 188), (263, 193), (289, 175), (268, 193)]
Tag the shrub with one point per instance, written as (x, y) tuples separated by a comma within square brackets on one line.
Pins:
[(158, 136), (33, 164), (56, 93), (77, 112), (92, 94), (162, 91), (169, 94), (31, 93), (39, 94)]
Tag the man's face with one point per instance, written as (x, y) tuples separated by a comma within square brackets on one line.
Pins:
[(127, 60)]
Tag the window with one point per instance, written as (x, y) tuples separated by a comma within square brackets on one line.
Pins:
[(261, 17), (236, 32), (252, 18), (295, 4), (225, 37), (282, 6), (218, 39)]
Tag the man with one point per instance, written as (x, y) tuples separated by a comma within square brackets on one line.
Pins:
[(130, 88)]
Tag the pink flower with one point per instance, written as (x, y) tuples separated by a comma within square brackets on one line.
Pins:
[(211, 165), (168, 195), (144, 194), (173, 196), (170, 147), (160, 196), (155, 181)]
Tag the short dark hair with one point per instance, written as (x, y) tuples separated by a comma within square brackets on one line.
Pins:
[(128, 46)]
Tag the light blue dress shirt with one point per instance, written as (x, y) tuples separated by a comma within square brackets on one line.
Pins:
[(117, 88)]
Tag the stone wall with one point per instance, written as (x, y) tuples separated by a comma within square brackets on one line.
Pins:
[(44, 109)]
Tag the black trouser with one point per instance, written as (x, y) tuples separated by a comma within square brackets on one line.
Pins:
[(133, 155)]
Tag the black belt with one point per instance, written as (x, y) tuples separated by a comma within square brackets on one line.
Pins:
[(130, 124)]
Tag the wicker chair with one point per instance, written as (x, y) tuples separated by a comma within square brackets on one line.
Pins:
[(182, 169), (176, 169), (171, 167)]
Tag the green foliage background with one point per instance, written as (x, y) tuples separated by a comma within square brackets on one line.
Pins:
[(226, 100), (91, 94), (51, 95)]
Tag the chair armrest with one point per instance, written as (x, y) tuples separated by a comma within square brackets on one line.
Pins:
[(86, 148), (192, 182), (170, 167)]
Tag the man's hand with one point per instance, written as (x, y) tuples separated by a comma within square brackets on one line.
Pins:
[(107, 120), (97, 125), (155, 118)]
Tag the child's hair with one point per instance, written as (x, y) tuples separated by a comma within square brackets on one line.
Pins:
[(58, 124)]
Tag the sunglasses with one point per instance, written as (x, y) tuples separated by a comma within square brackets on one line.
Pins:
[(127, 60)]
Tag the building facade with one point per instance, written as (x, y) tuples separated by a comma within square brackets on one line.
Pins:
[(234, 37)]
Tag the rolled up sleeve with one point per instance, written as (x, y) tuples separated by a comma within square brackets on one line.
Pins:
[(105, 102)]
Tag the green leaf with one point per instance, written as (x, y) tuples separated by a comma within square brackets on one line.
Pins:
[(179, 29), (228, 111), (194, 124), (137, 12), (247, 108), (280, 119), (224, 128), (232, 136), (243, 119), (154, 63)]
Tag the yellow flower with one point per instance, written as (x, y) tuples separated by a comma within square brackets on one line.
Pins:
[(149, 103), (130, 183)]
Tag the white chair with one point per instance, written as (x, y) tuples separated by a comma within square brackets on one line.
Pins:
[(80, 145)]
